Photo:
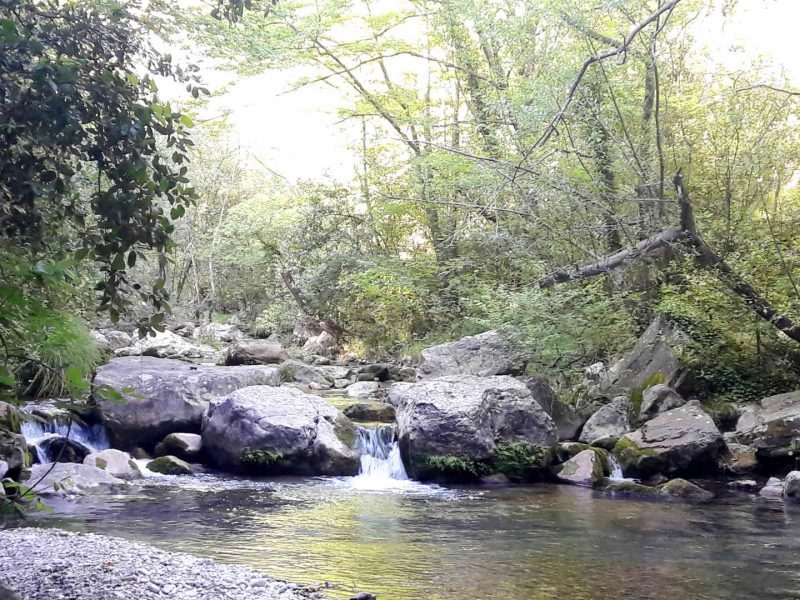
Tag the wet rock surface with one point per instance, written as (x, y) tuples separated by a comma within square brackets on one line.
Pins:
[(41, 564)]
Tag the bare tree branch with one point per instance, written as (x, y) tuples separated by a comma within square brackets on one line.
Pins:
[(619, 50), (768, 87)]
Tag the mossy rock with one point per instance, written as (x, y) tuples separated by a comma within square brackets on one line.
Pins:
[(603, 456), (10, 418), (684, 490), (270, 462), (346, 431), (566, 450), (630, 489), (635, 461), (446, 469), (585, 469), (637, 395), (170, 465), (520, 462), (517, 461)]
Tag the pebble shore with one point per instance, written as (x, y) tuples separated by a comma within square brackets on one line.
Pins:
[(50, 564)]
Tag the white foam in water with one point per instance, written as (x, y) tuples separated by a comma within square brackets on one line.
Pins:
[(35, 432), (381, 465), (616, 469)]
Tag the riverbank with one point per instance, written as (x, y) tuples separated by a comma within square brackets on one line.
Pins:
[(46, 564)]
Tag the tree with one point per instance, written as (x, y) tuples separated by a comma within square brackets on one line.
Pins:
[(92, 173)]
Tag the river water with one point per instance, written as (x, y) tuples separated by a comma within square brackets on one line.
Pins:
[(384, 533), (411, 541)]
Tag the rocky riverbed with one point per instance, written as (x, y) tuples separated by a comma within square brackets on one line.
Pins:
[(47, 564)]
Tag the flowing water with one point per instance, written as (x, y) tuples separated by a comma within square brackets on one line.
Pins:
[(93, 437), (403, 540)]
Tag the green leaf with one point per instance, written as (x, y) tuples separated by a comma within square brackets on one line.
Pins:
[(76, 380), (119, 262), (6, 377), (8, 31)]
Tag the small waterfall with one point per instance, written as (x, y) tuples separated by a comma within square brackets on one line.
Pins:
[(616, 469), (380, 454), (36, 432)]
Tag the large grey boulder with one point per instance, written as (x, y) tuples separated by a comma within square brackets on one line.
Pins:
[(657, 399), (115, 462), (166, 344), (567, 420), (656, 353), (255, 352), (218, 333), (362, 390), (773, 490), (608, 424), (483, 355), (791, 486), (585, 469), (166, 396), (466, 421), (13, 451), (771, 426), (323, 344), (683, 440), (69, 478), (315, 376), (279, 430)]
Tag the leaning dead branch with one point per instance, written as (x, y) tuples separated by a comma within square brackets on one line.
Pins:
[(687, 238)]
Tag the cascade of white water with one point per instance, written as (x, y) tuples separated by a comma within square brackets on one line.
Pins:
[(616, 468), (36, 432), (380, 453)]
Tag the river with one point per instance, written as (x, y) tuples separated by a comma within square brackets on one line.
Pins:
[(412, 541)]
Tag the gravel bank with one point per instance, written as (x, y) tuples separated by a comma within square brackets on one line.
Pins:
[(50, 564)]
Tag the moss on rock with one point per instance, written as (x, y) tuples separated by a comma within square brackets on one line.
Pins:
[(446, 468), (169, 465), (635, 461), (520, 461), (684, 490), (630, 489), (345, 431), (260, 461)]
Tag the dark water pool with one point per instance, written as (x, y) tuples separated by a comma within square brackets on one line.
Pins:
[(419, 542)]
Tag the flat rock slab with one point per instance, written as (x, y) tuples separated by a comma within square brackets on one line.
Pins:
[(40, 564)]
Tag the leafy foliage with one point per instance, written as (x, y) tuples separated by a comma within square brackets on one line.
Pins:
[(259, 460), (520, 461), (92, 175)]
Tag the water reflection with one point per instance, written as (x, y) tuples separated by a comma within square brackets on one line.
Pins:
[(537, 543)]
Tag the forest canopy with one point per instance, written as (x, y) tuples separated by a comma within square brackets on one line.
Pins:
[(504, 152)]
